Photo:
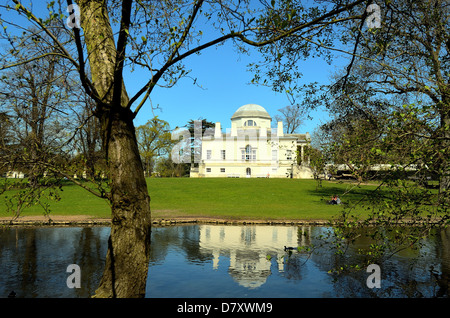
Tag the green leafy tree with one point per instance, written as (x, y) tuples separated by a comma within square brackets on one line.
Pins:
[(317, 162), (154, 140), (354, 144), (405, 62), (156, 37), (167, 168), (198, 129), (390, 105), (396, 84)]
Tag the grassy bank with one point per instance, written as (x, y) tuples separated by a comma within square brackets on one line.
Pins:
[(248, 198), (266, 199)]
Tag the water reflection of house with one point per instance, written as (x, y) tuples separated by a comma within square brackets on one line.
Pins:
[(247, 248)]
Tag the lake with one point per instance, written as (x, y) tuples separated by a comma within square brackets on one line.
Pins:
[(218, 261)]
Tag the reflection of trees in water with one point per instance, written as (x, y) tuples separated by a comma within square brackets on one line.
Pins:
[(29, 265), (36, 259), (190, 244), (33, 255), (89, 254), (442, 249), (20, 263), (396, 281), (293, 266), (407, 273), (185, 238)]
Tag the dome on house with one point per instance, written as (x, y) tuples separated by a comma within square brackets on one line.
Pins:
[(251, 110)]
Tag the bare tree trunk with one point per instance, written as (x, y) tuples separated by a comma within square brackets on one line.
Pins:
[(126, 268)]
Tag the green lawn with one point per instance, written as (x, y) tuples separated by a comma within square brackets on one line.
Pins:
[(221, 198), (248, 198), (74, 201)]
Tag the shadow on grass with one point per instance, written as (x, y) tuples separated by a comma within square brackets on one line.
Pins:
[(349, 193)]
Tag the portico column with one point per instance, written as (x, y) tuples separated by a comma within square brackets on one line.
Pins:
[(302, 154)]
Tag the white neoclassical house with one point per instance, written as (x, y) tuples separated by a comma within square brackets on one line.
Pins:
[(252, 149)]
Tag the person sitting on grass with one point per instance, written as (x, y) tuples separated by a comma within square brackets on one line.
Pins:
[(335, 200)]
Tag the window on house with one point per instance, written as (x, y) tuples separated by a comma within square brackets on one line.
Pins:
[(208, 169), (222, 169), (222, 154), (250, 123), (288, 154), (208, 154), (274, 155), (249, 152)]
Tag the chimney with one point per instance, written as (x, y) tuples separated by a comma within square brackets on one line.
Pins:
[(280, 129), (217, 131), (233, 129)]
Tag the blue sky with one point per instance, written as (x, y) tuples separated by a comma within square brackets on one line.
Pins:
[(224, 78)]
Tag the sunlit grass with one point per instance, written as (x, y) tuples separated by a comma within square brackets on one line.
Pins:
[(267, 199), (250, 198)]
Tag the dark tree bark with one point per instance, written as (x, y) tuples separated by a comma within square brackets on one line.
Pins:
[(126, 268), (125, 272)]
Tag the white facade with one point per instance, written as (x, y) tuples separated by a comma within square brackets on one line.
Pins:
[(252, 149)]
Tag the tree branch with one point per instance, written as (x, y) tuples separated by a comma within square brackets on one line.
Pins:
[(87, 85), (30, 60), (175, 51), (101, 195), (147, 88), (65, 54), (358, 37)]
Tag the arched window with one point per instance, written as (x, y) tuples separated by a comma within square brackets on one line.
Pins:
[(248, 172), (248, 153), (250, 123)]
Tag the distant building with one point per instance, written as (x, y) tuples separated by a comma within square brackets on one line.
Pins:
[(15, 175), (252, 149)]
